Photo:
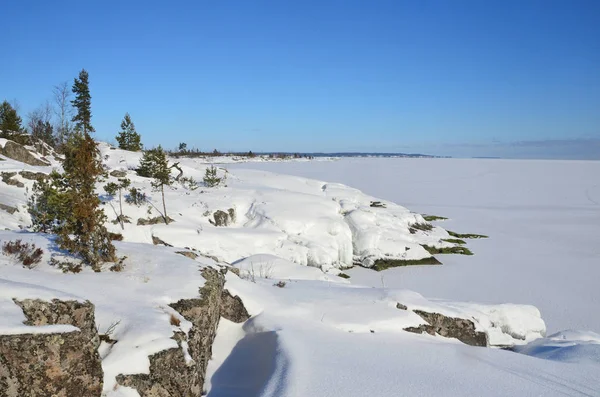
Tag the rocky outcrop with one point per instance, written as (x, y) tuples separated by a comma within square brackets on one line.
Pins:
[(171, 375), (450, 327), (34, 176), (7, 177), (158, 241), (222, 218), (18, 152), (11, 210), (62, 364), (118, 173), (188, 254), (232, 308)]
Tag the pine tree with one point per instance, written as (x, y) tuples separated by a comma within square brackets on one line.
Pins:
[(69, 205), (112, 189), (10, 122), (43, 131), (154, 164), (128, 138), (83, 232), (82, 104)]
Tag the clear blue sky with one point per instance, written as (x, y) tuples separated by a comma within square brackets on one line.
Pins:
[(458, 77)]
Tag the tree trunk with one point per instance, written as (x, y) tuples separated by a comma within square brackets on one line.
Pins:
[(162, 190), (121, 211)]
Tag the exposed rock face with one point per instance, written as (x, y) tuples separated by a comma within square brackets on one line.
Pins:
[(232, 308), (8, 208), (170, 374), (34, 176), (7, 177), (188, 254), (158, 241), (222, 218), (20, 153), (450, 327), (62, 365)]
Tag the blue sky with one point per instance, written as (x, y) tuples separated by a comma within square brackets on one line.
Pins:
[(465, 78)]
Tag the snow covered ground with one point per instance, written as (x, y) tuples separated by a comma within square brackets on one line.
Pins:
[(314, 333), (542, 217)]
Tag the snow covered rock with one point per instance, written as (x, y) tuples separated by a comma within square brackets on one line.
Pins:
[(52, 361), (20, 153), (450, 327)]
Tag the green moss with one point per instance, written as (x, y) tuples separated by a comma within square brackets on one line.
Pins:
[(343, 275), (447, 250), (431, 218), (382, 264), (468, 235), (454, 240)]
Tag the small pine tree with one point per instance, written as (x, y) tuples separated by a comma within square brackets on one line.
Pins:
[(182, 147), (211, 178), (112, 189), (82, 104), (10, 122), (154, 164), (128, 138), (48, 206)]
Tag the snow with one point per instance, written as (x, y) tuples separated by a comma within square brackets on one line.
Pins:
[(315, 333), (542, 217)]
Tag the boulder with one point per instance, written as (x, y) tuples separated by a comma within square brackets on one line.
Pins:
[(222, 218), (450, 327), (118, 173), (60, 364), (18, 152)]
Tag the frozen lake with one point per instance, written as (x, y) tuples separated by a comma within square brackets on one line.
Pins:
[(542, 217)]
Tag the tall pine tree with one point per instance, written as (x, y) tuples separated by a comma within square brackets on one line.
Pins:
[(69, 205), (128, 137), (82, 104)]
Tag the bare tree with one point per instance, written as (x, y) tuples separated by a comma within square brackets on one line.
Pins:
[(39, 123), (63, 111)]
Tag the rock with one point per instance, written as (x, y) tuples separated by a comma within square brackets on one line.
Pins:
[(377, 204), (18, 152), (8, 208), (401, 306), (34, 176), (153, 221), (232, 308), (118, 173), (7, 177), (189, 254), (450, 327), (63, 364), (170, 374), (232, 216), (158, 241), (222, 218)]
